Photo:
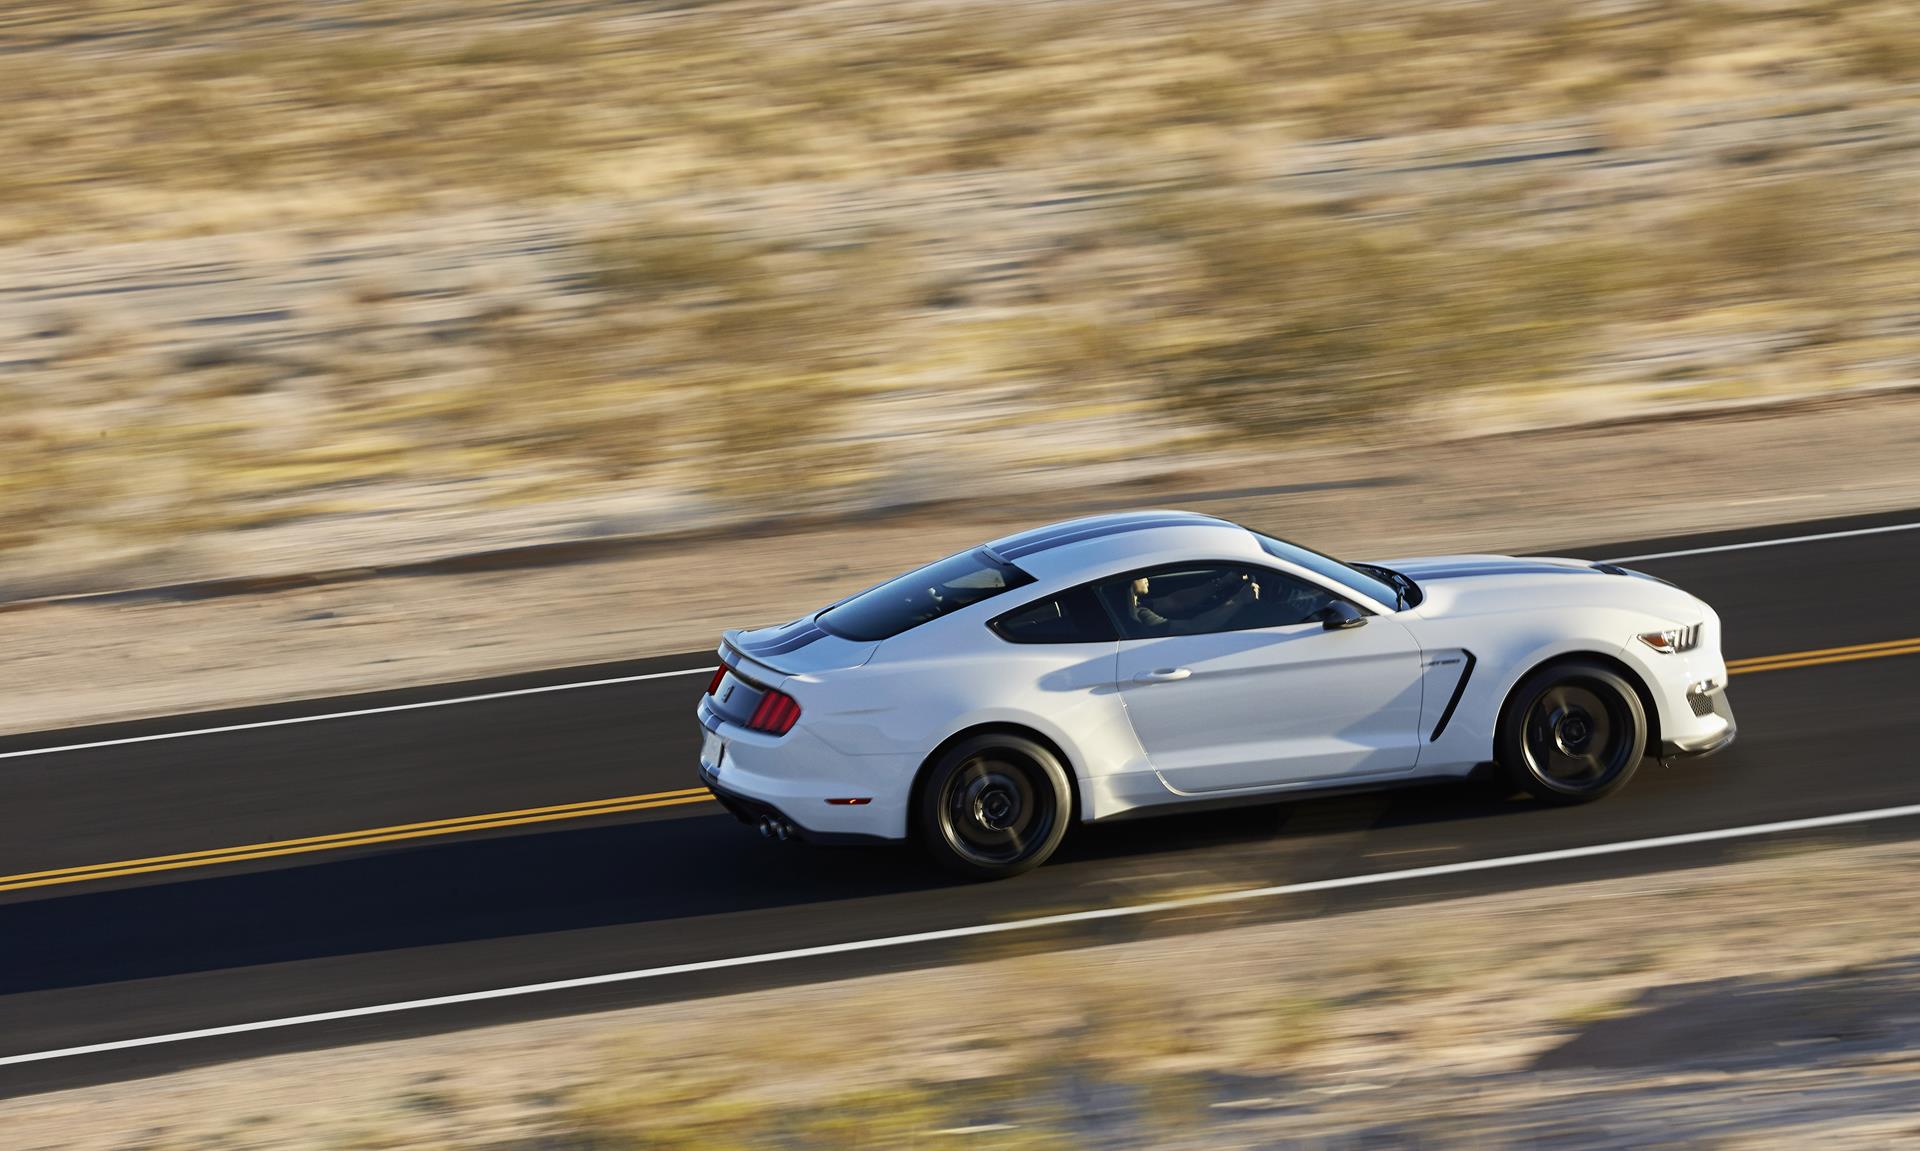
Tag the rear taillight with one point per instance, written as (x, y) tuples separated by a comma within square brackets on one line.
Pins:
[(776, 714), (719, 673)]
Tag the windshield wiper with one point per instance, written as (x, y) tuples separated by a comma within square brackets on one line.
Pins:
[(1403, 587), (1409, 592)]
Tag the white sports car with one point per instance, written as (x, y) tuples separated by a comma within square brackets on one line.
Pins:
[(1130, 664)]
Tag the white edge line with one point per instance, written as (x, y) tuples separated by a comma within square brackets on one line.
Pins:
[(1071, 917), (289, 721), (1763, 543)]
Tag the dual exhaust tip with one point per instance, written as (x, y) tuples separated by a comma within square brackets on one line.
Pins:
[(780, 829)]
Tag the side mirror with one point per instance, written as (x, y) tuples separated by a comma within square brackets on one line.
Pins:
[(1340, 615)]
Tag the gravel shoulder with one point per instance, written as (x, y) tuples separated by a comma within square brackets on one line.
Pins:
[(1772, 1002), (1546, 491)]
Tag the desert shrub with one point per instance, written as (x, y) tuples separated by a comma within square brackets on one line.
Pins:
[(1772, 238), (1287, 320)]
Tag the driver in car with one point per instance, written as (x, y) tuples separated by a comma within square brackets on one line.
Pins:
[(1192, 611)]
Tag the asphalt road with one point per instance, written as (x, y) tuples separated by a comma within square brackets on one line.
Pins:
[(348, 901)]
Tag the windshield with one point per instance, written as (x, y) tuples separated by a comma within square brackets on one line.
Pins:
[(913, 599), (1329, 568)]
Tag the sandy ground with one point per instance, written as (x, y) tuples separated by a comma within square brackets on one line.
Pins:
[(1769, 1003), (1545, 491), (292, 286)]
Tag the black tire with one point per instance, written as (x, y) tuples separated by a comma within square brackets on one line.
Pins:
[(994, 806), (1572, 732)]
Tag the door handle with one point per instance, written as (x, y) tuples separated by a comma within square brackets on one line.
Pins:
[(1162, 675)]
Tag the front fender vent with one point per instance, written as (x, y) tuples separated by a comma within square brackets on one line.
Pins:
[(1453, 701)]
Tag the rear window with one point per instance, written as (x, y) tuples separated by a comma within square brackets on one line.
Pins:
[(929, 593), (1070, 617)]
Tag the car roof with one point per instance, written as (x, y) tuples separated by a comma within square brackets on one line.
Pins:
[(1096, 544)]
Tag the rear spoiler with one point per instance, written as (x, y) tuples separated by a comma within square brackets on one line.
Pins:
[(753, 671)]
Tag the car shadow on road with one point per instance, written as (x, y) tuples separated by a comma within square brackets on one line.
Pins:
[(700, 885)]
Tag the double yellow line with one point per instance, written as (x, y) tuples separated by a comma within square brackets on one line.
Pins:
[(625, 803), (394, 834), (1824, 655)]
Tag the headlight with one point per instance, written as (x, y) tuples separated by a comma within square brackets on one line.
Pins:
[(1672, 640)]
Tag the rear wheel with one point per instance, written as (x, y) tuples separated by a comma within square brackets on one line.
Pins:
[(1573, 733), (994, 806)]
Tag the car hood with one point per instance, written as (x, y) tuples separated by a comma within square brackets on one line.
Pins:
[(1470, 584), (799, 648), (1426, 569)]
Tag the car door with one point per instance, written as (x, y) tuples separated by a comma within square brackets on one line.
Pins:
[(1232, 680)]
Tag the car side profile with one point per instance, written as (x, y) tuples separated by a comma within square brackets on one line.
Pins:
[(1145, 662)]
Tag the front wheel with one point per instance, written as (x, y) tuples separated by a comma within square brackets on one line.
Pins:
[(1572, 733), (994, 806)]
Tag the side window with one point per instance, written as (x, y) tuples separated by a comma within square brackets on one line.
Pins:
[(1204, 598), (1070, 617)]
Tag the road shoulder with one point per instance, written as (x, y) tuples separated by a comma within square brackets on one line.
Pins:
[(1627, 1010), (1549, 491)]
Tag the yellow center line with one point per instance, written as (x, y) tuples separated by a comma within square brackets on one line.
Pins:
[(403, 831), (446, 826), (1824, 655), (624, 803)]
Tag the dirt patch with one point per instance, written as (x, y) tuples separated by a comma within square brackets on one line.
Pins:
[(1735, 1024)]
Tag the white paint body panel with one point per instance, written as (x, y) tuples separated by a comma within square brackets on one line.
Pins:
[(1276, 706), (1272, 711)]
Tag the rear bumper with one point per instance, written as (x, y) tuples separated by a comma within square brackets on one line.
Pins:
[(751, 812), (803, 782)]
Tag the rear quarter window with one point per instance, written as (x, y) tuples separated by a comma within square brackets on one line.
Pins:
[(1070, 617), (919, 596)]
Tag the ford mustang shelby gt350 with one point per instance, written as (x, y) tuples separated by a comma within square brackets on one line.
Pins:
[(1147, 661)]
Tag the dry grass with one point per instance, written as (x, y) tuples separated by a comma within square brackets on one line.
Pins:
[(506, 99), (1294, 318), (387, 102), (783, 241)]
